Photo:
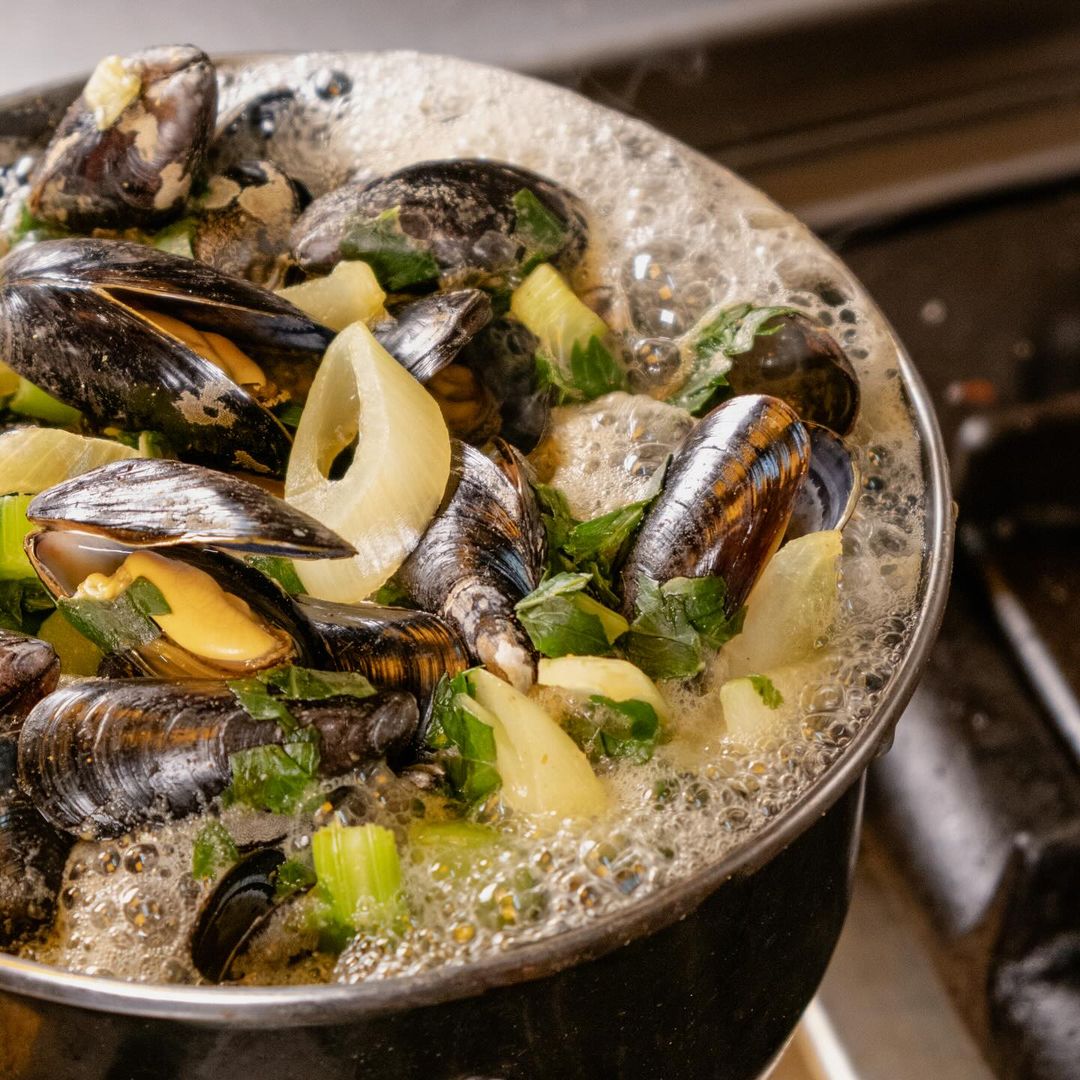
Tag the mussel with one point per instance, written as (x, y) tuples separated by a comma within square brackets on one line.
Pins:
[(29, 669), (481, 555), (32, 856), (797, 360), (465, 221), (140, 339), (726, 499), (98, 758), (240, 224), (128, 149), (830, 490)]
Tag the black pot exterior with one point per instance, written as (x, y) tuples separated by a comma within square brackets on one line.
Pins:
[(715, 995)]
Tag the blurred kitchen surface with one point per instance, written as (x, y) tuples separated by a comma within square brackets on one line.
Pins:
[(53, 39)]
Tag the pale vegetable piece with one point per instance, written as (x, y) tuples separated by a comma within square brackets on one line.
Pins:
[(33, 459), (542, 769), (9, 380), (747, 715), (618, 680), (350, 294), (388, 494), (791, 608), (547, 305), (78, 655)]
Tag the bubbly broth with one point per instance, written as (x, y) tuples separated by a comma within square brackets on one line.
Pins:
[(672, 237)]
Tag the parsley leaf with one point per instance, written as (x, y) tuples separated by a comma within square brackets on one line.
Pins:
[(397, 259), (279, 569), (541, 232), (616, 729), (123, 623), (306, 684), (271, 778), (561, 619), (465, 744), (766, 690), (214, 850)]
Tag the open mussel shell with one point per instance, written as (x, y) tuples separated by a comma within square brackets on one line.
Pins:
[(426, 334), (69, 324), (32, 856), (460, 220), (159, 502), (128, 149), (235, 912), (29, 669), (830, 491), (502, 356), (241, 223), (726, 499), (482, 554), (799, 361), (98, 758), (393, 647)]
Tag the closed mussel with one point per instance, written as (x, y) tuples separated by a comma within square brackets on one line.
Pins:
[(98, 758), (29, 669), (482, 554), (726, 500), (462, 221), (140, 339), (129, 148)]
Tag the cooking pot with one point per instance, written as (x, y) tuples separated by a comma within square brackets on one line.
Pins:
[(703, 978)]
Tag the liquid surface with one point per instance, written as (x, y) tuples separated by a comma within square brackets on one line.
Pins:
[(659, 213)]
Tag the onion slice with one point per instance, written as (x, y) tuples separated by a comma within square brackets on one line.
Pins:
[(388, 494)]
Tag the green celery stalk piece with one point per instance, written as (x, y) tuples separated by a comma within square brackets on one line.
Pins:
[(30, 400), (14, 564), (359, 873)]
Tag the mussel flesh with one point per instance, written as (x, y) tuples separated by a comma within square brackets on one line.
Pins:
[(32, 856), (236, 910), (482, 554), (797, 360), (393, 647), (240, 224), (428, 333), (465, 222), (98, 758), (726, 499), (827, 496), (129, 148), (139, 339), (29, 669), (502, 356)]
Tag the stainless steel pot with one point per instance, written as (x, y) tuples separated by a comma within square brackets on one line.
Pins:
[(704, 978)]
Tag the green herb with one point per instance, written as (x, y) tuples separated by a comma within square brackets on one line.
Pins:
[(397, 259), (305, 684), (32, 229), (177, 238), (393, 595), (120, 624), (616, 729), (257, 701), (359, 874), (675, 623), (214, 850), (280, 569), (464, 743), (23, 605), (290, 413), (540, 232), (14, 565), (561, 619), (592, 372), (766, 690), (292, 877), (271, 778), (732, 332)]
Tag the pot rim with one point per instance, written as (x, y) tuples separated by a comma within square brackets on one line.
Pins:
[(319, 1004)]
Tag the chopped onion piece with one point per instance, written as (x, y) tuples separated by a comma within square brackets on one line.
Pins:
[(33, 459), (350, 294), (388, 494)]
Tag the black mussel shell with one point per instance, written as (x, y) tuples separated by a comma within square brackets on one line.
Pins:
[(236, 910), (159, 503), (99, 758), (428, 333), (66, 325), (395, 648), (29, 669), (831, 488), (482, 554), (32, 856), (240, 224), (799, 361), (503, 357), (455, 219), (138, 170), (726, 500)]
